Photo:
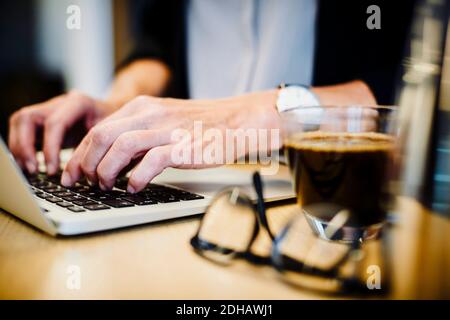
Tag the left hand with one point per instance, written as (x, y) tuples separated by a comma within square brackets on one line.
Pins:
[(143, 130)]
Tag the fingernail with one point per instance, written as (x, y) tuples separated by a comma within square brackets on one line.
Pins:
[(102, 186), (66, 179), (130, 189), (31, 167)]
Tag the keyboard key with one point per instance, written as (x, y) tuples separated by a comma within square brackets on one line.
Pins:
[(121, 183), (62, 194), (107, 195), (167, 200), (151, 195), (114, 193), (100, 198), (88, 193), (79, 188), (74, 198), (138, 200), (64, 204), (97, 206), (85, 202), (117, 203), (43, 195), (191, 196), (161, 197), (76, 209), (154, 186), (55, 178), (47, 184), (53, 199), (52, 189), (40, 184)]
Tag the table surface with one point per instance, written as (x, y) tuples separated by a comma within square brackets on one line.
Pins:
[(155, 261)]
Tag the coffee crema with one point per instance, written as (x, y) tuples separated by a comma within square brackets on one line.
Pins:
[(337, 171)]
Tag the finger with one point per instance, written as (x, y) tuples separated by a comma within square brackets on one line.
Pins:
[(128, 146), (55, 127), (72, 171), (23, 139), (153, 163), (23, 129), (101, 139)]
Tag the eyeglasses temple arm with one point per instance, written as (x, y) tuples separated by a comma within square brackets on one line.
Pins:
[(260, 206)]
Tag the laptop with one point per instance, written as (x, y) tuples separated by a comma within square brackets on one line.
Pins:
[(41, 201)]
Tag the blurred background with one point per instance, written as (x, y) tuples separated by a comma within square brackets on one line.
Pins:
[(42, 57)]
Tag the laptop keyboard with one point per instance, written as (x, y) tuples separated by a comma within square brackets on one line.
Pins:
[(82, 197)]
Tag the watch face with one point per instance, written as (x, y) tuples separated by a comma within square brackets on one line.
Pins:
[(295, 96)]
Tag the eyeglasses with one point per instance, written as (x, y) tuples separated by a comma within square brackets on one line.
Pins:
[(233, 224)]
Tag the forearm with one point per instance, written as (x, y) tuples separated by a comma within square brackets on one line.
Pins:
[(350, 93), (142, 77), (263, 103)]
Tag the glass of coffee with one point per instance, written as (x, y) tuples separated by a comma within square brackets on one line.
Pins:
[(340, 160)]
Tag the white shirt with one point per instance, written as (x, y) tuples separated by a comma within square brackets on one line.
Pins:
[(239, 46)]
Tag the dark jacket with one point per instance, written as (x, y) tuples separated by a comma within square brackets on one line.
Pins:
[(345, 48)]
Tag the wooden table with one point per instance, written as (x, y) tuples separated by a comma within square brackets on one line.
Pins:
[(156, 261)]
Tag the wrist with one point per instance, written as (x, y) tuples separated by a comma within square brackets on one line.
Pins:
[(269, 108), (257, 110)]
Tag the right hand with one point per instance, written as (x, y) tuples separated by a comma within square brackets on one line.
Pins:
[(55, 116)]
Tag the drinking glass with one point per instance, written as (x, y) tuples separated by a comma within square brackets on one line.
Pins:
[(340, 159)]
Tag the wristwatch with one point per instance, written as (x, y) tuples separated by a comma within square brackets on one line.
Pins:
[(294, 96)]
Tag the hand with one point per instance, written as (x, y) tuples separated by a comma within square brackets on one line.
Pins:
[(144, 130), (56, 116)]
